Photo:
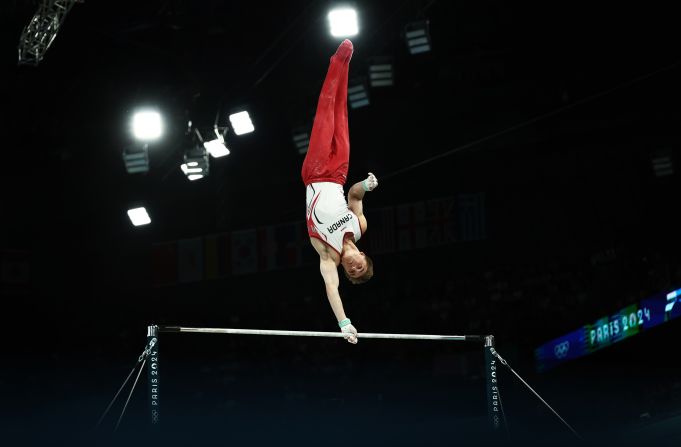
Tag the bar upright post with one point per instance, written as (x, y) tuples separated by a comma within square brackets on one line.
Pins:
[(493, 402), (153, 374)]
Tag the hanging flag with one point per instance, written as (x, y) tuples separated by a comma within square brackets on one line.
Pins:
[(210, 257), (433, 223), (164, 263), (216, 256), (14, 267), (405, 227), (418, 211), (381, 223), (224, 248), (15, 272), (267, 248), (278, 247), (411, 226), (190, 259), (472, 216), (287, 253), (244, 251), (450, 220)]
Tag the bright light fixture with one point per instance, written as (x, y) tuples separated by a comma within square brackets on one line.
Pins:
[(358, 94), (196, 162), (188, 169), (417, 35), (301, 138), (216, 147), (662, 164), (139, 216), (241, 123), (147, 125), (381, 74), (136, 158), (343, 22)]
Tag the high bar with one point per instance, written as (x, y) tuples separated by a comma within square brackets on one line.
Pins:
[(361, 335)]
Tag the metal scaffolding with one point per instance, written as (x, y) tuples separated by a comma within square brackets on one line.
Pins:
[(40, 32)]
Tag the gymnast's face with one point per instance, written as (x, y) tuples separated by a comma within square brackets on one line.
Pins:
[(355, 264)]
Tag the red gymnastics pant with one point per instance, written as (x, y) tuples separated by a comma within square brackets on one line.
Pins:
[(328, 154)]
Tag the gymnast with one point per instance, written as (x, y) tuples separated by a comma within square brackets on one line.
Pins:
[(334, 225)]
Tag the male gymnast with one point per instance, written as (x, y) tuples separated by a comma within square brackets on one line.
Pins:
[(334, 225)]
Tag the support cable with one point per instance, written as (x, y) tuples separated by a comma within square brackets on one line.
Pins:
[(503, 362), (141, 360)]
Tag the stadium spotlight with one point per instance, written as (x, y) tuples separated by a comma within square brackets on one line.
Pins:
[(196, 163), (417, 36), (136, 158), (358, 94), (301, 138), (215, 144), (343, 22), (241, 123), (381, 72), (147, 125), (662, 164), (139, 216)]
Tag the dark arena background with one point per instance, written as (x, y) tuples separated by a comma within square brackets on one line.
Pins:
[(528, 159)]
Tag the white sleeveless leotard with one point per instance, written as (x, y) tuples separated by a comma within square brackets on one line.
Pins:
[(328, 216)]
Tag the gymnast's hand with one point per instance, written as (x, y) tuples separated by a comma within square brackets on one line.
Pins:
[(351, 332), (370, 183)]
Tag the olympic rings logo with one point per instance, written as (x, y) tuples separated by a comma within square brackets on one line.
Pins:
[(561, 349)]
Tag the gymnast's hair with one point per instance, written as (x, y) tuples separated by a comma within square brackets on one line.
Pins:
[(367, 275)]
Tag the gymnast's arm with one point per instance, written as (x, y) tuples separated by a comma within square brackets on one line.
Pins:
[(329, 271), (356, 195)]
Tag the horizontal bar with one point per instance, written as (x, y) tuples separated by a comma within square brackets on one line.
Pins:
[(362, 335)]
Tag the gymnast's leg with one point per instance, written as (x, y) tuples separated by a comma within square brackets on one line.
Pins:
[(324, 161), (341, 134)]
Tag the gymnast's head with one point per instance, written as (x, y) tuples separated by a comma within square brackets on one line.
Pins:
[(358, 267)]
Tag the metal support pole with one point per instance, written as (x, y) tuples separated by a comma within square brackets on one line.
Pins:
[(493, 401), (153, 374)]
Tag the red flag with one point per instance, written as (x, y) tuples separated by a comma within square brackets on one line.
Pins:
[(411, 226), (382, 236), (244, 250), (164, 263)]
